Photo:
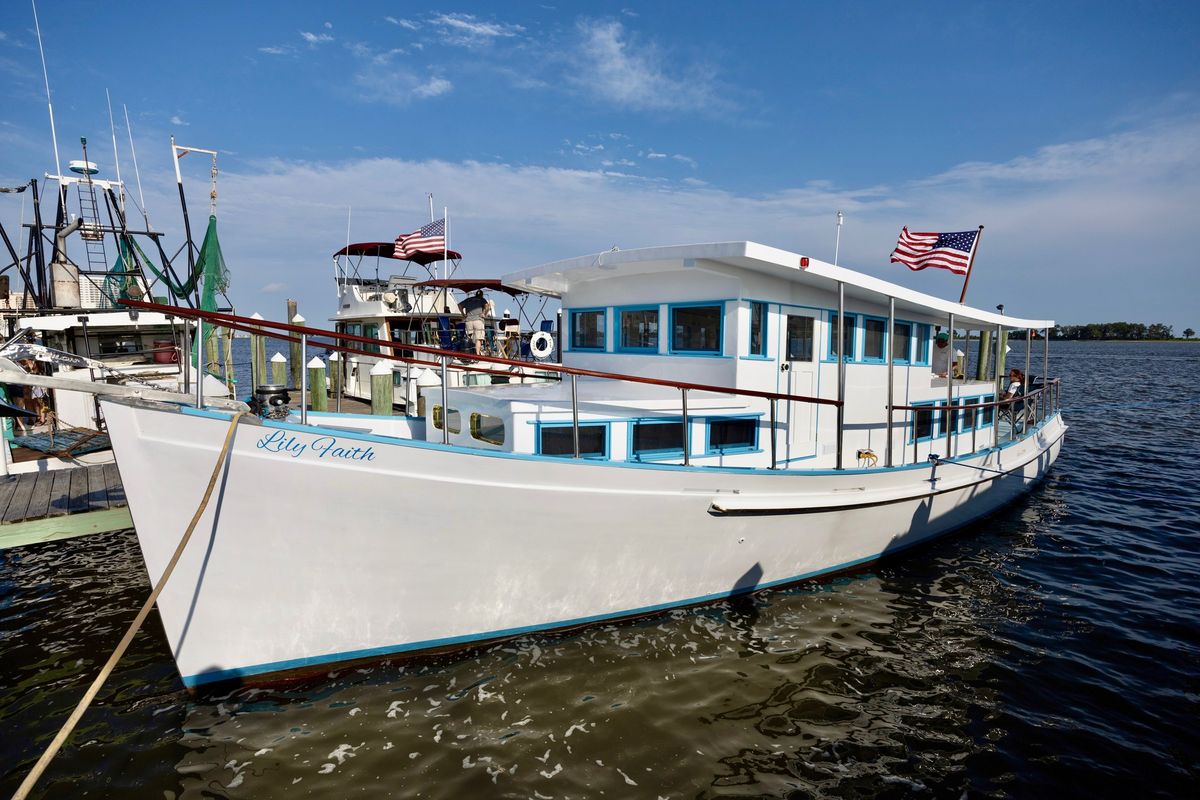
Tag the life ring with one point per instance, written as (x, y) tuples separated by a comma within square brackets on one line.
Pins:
[(541, 344)]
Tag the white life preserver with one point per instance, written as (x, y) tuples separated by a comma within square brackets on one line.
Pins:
[(541, 344)]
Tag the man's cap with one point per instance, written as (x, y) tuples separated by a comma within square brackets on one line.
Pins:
[(943, 337)]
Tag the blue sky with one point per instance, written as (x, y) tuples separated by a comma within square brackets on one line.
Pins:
[(1070, 130)]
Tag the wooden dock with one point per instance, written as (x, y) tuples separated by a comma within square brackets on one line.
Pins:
[(60, 504)]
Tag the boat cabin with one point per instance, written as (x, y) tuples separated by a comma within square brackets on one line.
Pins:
[(755, 319)]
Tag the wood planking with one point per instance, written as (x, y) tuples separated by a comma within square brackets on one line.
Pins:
[(35, 495)]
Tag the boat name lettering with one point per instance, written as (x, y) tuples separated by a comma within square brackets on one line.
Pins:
[(326, 447)]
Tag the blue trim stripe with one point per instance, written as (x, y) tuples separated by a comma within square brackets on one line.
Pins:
[(581, 462)]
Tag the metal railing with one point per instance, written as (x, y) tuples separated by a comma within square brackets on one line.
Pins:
[(331, 340), (1036, 407)]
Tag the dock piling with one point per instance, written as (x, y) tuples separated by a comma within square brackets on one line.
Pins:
[(317, 392)]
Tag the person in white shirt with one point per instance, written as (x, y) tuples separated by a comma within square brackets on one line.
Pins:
[(941, 355)]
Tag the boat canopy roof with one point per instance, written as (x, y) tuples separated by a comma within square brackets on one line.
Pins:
[(472, 284), (388, 250), (557, 277)]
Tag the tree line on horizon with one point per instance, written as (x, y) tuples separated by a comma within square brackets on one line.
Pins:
[(1118, 330)]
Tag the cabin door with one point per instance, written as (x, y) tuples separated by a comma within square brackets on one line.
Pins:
[(797, 436)]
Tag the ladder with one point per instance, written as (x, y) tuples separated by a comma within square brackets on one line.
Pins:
[(89, 212)]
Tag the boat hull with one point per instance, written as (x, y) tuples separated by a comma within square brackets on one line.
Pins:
[(321, 546)]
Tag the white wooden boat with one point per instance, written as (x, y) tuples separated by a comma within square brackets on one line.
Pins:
[(743, 450)]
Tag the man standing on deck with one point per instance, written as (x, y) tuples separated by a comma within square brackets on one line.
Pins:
[(941, 355), (476, 308)]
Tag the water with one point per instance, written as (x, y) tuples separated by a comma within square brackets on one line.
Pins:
[(1051, 650)]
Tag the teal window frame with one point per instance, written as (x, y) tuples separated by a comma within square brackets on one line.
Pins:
[(618, 343), (752, 447), (675, 308), (603, 312), (883, 345), (602, 456), (852, 322), (758, 328), (660, 453)]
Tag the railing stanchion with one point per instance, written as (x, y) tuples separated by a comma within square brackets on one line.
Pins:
[(686, 449), (999, 380), (185, 357), (200, 370), (774, 458), (445, 405), (891, 368), (948, 417), (304, 379), (575, 413), (841, 387)]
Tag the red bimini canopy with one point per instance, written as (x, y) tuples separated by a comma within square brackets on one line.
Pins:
[(469, 285), (388, 250)]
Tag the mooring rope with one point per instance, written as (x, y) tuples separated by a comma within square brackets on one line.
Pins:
[(52, 750)]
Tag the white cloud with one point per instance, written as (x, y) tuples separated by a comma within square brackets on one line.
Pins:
[(691, 162), (634, 75), (277, 50), (380, 78), (328, 26), (178, 120), (315, 38), (652, 154), (273, 288), (467, 30), (404, 23)]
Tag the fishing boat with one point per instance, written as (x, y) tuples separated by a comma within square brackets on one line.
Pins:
[(63, 318), (731, 417), (414, 306)]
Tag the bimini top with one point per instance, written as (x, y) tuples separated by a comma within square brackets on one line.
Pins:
[(388, 250), (557, 277), (469, 285)]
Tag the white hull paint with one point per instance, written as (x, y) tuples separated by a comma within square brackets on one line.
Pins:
[(289, 569)]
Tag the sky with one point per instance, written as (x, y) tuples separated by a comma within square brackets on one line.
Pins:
[(1070, 130)]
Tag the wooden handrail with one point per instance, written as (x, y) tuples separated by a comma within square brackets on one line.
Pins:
[(251, 325)]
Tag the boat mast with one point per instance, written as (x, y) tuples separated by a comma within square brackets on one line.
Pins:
[(136, 172), (116, 156)]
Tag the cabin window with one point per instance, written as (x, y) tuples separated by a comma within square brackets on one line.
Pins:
[(454, 421), (758, 329), (847, 336), (656, 439), (944, 416), (966, 418), (986, 414), (923, 423), (902, 342), (732, 435), (558, 440), (354, 329), (696, 329), (487, 428), (639, 329), (801, 333), (874, 336), (371, 331), (587, 329), (922, 337)]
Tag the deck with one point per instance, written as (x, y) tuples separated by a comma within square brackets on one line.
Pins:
[(61, 504)]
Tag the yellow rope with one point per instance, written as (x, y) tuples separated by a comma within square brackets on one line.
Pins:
[(32, 778)]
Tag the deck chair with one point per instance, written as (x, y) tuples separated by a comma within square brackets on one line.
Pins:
[(445, 339)]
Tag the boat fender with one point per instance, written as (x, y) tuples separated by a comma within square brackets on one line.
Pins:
[(541, 344)]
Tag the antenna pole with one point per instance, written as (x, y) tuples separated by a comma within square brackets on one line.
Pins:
[(187, 223), (838, 242), (112, 126), (430, 206), (137, 173), (62, 190)]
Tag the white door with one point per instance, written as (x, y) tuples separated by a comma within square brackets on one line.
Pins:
[(797, 436)]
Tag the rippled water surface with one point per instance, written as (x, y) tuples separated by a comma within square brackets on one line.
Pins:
[(1051, 650)]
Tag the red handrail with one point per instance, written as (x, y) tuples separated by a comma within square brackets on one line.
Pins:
[(251, 325)]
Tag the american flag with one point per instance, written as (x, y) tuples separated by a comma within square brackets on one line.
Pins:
[(430, 239), (950, 251)]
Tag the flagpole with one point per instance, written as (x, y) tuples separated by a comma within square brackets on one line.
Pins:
[(970, 264), (838, 242), (446, 242)]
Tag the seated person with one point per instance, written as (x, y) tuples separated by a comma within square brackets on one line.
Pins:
[(1014, 392)]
